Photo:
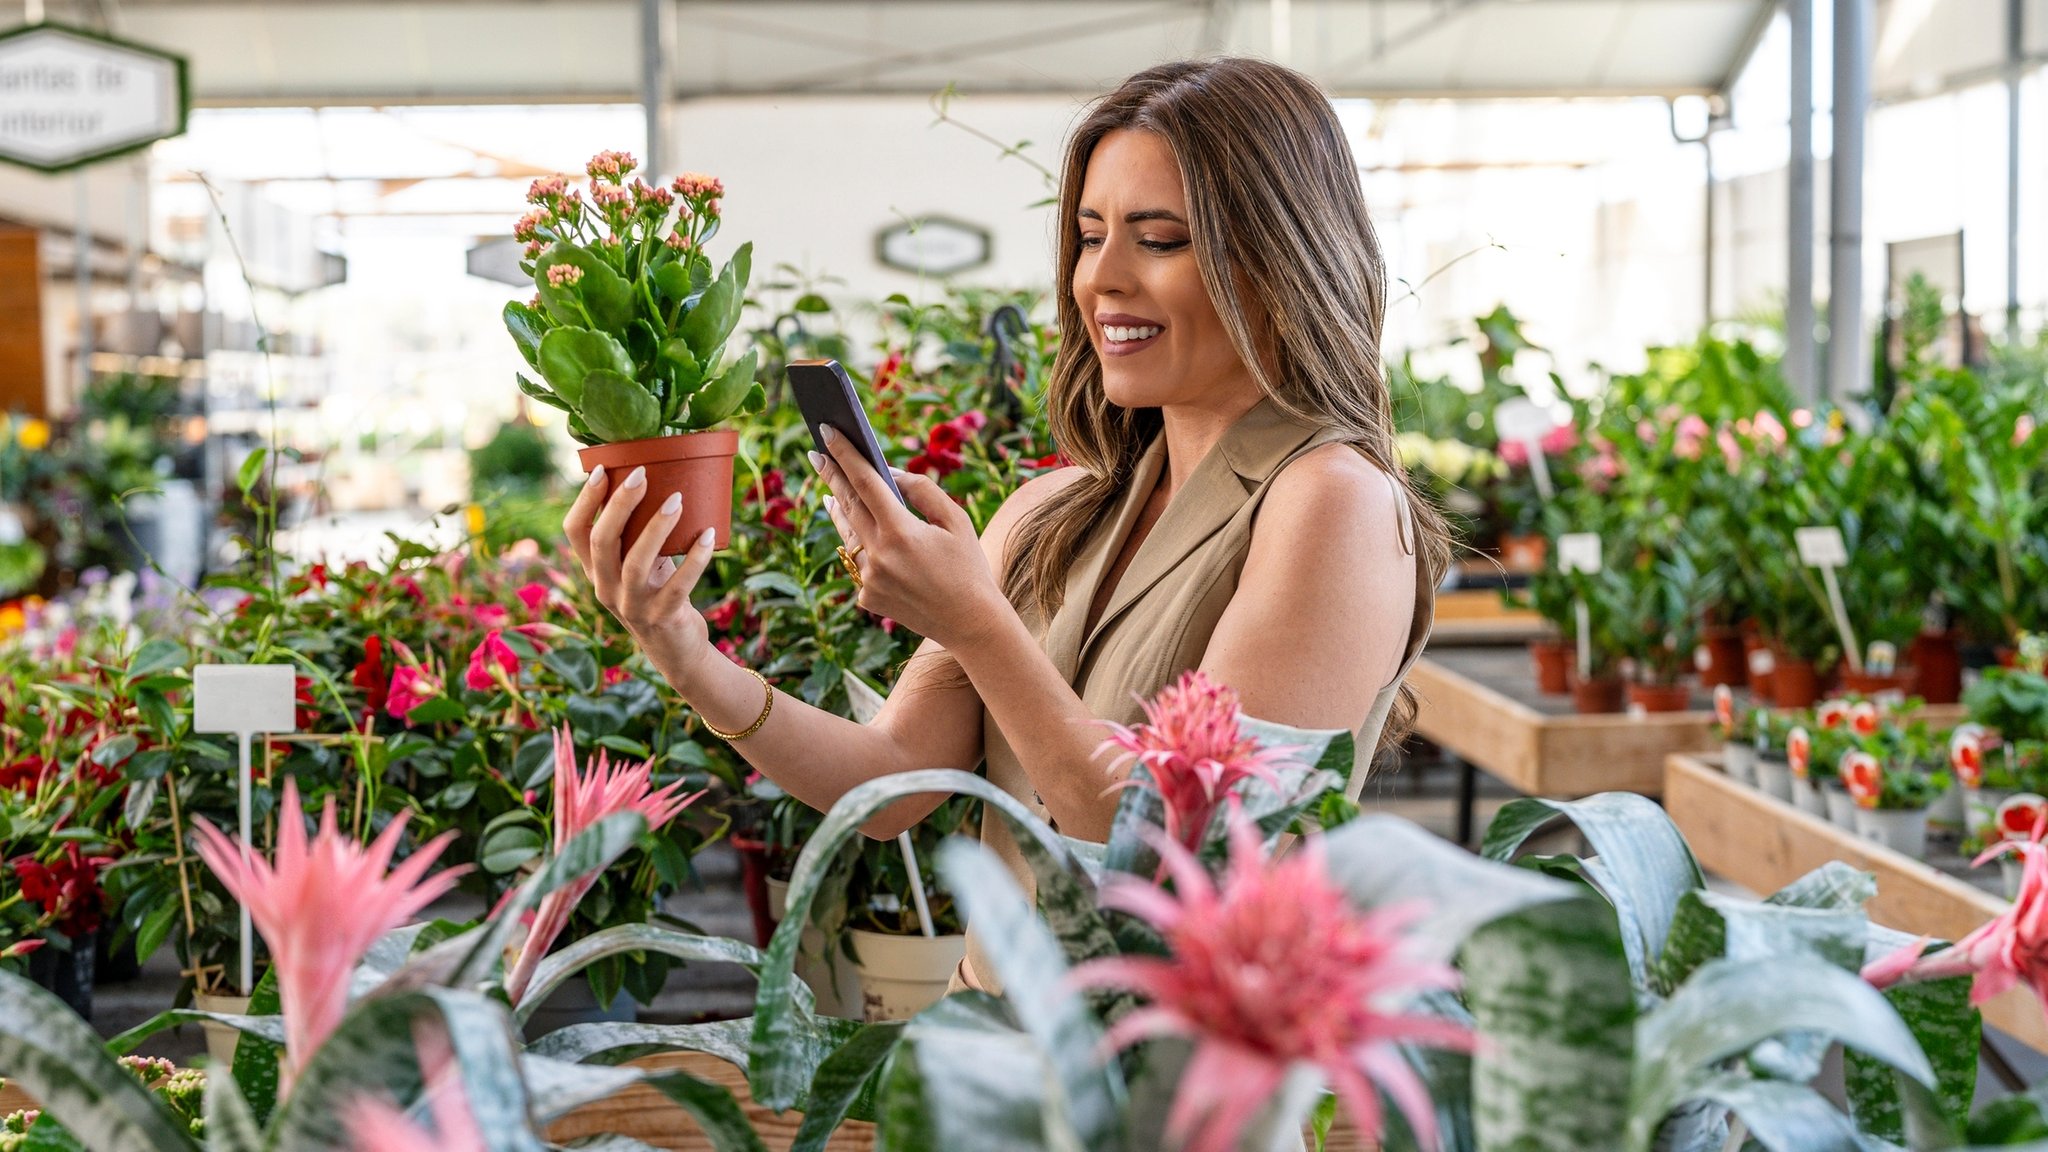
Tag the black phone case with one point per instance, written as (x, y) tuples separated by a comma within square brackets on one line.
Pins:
[(824, 394)]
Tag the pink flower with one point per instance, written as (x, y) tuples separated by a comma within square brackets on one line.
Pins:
[(695, 185), (611, 165), (547, 189), (582, 800), (375, 1126), (1692, 434), (563, 275), (678, 241), (1767, 428), (1802, 418), (528, 227), (320, 905), (492, 661), (535, 596), (2022, 429), (1731, 452), (1864, 718), (1274, 969), (2010, 948), (411, 686), (1560, 440), (1862, 777), (1195, 753)]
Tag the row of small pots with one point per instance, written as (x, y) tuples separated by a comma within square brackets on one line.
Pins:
[(1903, 830), (1727, 656)]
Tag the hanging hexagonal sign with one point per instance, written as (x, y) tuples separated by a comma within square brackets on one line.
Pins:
[(70, 97), (933, 246)]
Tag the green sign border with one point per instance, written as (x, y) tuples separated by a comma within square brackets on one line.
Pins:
[(184, 95)]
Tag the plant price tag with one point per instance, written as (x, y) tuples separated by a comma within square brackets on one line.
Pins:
[(1578, 552), (1821, 546), (244, 699), (1522, 421)]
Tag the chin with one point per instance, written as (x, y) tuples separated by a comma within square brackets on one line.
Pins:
[(1135, 390)]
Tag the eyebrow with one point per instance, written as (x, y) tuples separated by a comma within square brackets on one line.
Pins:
[(1136, 217)]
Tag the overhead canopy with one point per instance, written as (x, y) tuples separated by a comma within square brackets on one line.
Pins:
[(474, 51)]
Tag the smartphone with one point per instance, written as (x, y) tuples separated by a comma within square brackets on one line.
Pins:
[(824, 394)]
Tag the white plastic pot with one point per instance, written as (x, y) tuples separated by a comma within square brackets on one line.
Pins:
[(1841, 805), (221, 1039), (1903, 830), (1807, 798), (834, 981), (1739, 761), (901, 976), (1947, 810), (1774, 778)]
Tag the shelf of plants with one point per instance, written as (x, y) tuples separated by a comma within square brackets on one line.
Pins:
[(476, 724)]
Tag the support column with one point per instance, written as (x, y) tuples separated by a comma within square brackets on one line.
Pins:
[(1801, 366), (2015, 58), (654, 90), (1848, 367)]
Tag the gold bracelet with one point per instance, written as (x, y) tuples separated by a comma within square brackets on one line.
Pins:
[(767, 706)]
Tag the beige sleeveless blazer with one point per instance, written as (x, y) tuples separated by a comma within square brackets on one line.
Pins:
[(1166, 605)]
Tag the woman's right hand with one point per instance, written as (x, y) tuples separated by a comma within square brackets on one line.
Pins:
[(649, 593)]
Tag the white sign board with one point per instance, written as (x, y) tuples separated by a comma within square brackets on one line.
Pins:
[(1821, 547), (69, 97), (1578, 552), (934, 246), (243, 698)]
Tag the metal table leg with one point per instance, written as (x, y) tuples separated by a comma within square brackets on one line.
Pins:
[(1468, 787)]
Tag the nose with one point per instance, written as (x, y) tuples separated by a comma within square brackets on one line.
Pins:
[(1104, 271)]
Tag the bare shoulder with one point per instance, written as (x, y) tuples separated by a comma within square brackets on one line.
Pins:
[(1028, 498), (1332, 494)]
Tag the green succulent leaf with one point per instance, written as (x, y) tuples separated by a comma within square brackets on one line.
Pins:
[(535, 390), (719, 399), (569, 355), (601, 298), (230, 1125), (1947, 1028), (965, 1077), (527, 326), (617, 408), (707, 325)]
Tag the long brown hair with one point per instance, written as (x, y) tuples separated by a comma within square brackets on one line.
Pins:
[(1291, 262)]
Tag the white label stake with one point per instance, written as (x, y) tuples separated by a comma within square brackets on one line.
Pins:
[(1580, 552), (866, 704), (244, 699), (1523, 422), (1822, 547)]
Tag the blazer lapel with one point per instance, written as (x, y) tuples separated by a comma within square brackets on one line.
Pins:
[(1216, 491), (1063, 633)]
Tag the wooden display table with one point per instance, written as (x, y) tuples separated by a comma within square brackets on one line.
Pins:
[(1763, 844), (1477, 616), (1482, 707)]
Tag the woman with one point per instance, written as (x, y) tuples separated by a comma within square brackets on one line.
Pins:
[(1234, 505)]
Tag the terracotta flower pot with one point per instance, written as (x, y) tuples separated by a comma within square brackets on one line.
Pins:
[(1554, 660), (696, 464), (1794, 682), (1724, 658), (754, 883), (1758, 661), (1524, 553), (1600, 694), (1659, 697), (1939, 660), (1902, 682)]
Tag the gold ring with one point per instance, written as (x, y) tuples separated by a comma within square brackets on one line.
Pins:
[(852, 569), (857, 550)]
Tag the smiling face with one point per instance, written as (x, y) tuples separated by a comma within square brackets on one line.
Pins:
[(1139, 289)]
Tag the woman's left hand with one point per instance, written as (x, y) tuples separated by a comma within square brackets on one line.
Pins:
[(929, 575)]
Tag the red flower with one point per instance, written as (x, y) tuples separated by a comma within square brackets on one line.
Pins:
[(1052, 460), (720, 617), (776, 515), (307, 713), (493, 655), (411, 686), (67, 889), (941, 456), (887, 371), (371, 678), (23, 775), (535, 597), (314, 578), (773, 483), (616, 674)]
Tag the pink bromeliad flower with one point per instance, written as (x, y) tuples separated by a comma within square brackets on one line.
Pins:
[(375, 1126), (320, 905), (1274, 969), (2006, 950), (582, 799), (1195, 751)]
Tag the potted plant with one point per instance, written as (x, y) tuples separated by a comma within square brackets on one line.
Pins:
[(1891, 801), (628, 334), (1772, 763), (1665, 589), (1597, 688), (903, 971), (1736, 727), (1549, 594)]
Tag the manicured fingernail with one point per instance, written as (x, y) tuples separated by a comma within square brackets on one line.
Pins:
[(596, 477), (635, 478), (817, 460), (828, 434), (709, 537), (831, 506), (673, 504)]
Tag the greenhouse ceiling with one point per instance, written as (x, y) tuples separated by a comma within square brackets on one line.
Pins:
[(302, 52)]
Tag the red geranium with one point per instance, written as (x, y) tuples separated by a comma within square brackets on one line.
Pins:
[(371, 677), (942, 455), (776, 505), (67, 889), (23, 775)]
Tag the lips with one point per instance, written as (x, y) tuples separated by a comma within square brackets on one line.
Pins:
[(1123, 334)]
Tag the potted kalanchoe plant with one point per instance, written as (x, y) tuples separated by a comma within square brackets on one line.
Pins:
[(628, 330), (1891, 800), (1736, 727)]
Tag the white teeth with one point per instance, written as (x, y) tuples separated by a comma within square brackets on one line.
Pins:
[(1122, 335)]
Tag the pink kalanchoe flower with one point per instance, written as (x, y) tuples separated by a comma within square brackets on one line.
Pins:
[(2007, 950), (1195, 752), (696, 184), (492, 660), (375, 1126), (320, 905), (582, 799), (528, 227), (563, 275), (1769, 429), (611, 165), (547, 189), (1273, 970)]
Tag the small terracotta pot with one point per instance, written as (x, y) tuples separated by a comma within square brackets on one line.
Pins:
[(1903, 682), (1554, 660), (1939, 659), (1659, 697), (1726, 658), (1794, 682), (1524, 553), (1758, 661), (754, 883), (1600, 694), (696, 464)]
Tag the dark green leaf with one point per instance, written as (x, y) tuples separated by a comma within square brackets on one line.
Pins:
[(526, 326), (575, 664), (252, 467), (569, 355), (617, 409)]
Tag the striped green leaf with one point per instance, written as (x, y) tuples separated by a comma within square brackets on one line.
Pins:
[(1832, 885), (1947, 1028), (1381, 860), (1645, 866), (483, 950), (713, 1108), (966, 1079), (1033, 971), (230, 1125), (616, 1043), (1548, 986), (843, 1077), (1730, 1006), (1780, 1116), (58, 1059), (628, 938), (555, 1088)]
